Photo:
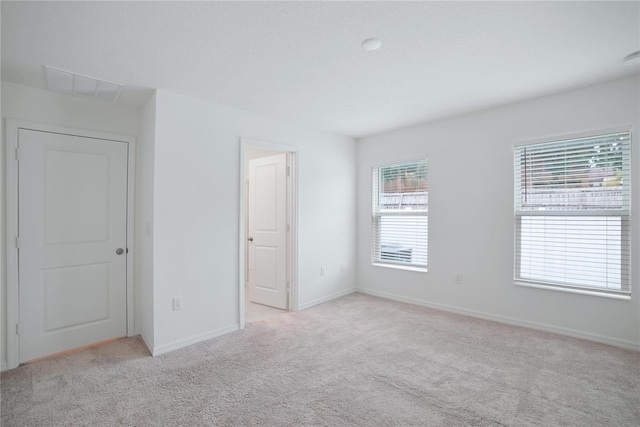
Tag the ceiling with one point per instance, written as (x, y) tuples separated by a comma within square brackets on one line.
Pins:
[(302, 61)]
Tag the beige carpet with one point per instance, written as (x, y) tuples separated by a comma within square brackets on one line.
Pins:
[(254, 312), (356, 361)]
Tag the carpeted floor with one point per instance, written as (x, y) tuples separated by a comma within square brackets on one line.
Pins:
[(255, 312), (355, 361)]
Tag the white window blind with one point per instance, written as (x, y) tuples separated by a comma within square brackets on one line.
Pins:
[(572, 213), (399, 223)]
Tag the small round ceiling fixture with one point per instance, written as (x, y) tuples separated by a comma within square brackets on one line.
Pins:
[(371, 44), (633, 59)]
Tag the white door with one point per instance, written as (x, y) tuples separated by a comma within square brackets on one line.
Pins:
[(268, 231), (72, 213)]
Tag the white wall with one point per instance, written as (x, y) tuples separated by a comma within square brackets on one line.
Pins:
[(196, 214), (188, 166), (187, 207), (24, 103), (27, 103), (471, 213), (144, 224)]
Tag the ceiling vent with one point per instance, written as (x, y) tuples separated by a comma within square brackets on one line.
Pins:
[(633, 59), (76, 84)]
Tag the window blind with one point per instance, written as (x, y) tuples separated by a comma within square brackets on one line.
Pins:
[(399, 224), (572, 213)]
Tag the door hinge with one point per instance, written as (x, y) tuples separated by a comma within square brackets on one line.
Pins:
[(288, 288), (17, 153), (288, 171), (288, 228), (17, 328), (17, 242)]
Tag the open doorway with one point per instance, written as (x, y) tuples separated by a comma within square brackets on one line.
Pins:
[(268, 267)]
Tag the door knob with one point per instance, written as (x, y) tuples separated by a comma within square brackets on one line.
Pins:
[(119, 251), (250, 238)]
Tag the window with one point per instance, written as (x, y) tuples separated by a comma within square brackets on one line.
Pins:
[(572, 213), (399, 215)]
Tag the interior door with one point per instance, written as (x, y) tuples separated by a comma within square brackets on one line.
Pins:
[(72, 213), (267, 231)]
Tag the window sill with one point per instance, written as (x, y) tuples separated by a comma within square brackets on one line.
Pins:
[(400, 267), (594, 293)]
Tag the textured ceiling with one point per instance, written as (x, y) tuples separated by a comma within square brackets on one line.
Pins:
[(302, 61)]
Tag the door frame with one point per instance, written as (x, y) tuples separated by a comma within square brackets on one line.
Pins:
[(292, 214), (11, 223)]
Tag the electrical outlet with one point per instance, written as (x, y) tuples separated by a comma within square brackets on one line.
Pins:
[(177, 303), (458, 279), (322, 271)]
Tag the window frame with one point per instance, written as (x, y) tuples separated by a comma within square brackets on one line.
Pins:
[(624, 213), (378, 214)]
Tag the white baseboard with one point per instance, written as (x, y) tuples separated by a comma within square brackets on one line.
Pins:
[(165, 348), (629, 345), (147, 343), (317, 301)]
